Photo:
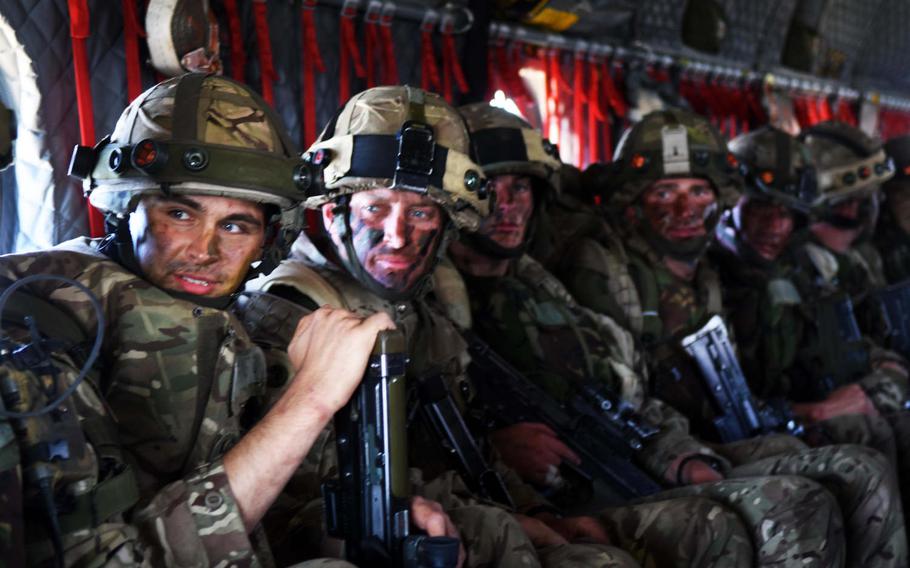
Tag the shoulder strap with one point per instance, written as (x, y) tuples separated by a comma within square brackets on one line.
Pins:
[(710, 279), (304, 279), (644, 280), (533, 273)]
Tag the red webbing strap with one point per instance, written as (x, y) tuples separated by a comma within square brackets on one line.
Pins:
[(824, 109), (132, 31), (79, 32), (312, 62), (238, 54), (845, 111), (558, 86), (350, 52), (578, 101), (616, 100), (429, 71), (372, 41), (451, 66), (811, 110), (389, 63), (595, 111), (264, 49)]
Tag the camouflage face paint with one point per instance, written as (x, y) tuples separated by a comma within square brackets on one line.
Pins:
[(395, 235), (678, 208), (766, 227), (508, 223)]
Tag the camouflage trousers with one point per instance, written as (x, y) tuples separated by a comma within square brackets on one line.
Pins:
[(792, 521), (492, 537), (861, 479)]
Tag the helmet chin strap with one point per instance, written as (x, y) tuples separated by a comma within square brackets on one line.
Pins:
[(341, 224)]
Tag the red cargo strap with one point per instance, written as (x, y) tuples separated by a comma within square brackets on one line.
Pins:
[(451, 66), (132, 31), (264, 49), (811, 110), (578, 101), (429, 71), (79, 31), (845, 111), (390, 64), (371, 30), (595, 112), (558, 85), (312, 62), (350, 52), (824, 109), (238, 54), (614, 98)]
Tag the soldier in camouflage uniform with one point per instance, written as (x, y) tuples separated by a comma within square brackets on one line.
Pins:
[(397, 183), (672, 172), (892, 233), (787, 348), (160, 466), (529, 317)]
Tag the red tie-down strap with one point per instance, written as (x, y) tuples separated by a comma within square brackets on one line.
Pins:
[(451, 66), (235, 31), (267, 72), (757, 112), (596, 113), (429, 71), (389, 63), (845, 111), (79, 32), (811, 110), (312, 62), (558, 87), (614, 97), (578, 101), (132, 31), (372, 40), (824, 109), (349, 50)]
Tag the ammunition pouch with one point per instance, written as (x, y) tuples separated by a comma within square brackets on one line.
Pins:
[(894, 307)]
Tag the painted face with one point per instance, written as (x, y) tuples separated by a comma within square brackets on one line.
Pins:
[(677, 208), (899, 204), (508, 222), (766, 227), (395, 234), (201, 245)]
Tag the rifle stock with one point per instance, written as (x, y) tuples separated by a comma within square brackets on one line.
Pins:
[(369, 505)]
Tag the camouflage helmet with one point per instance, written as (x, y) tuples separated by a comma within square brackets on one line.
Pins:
[(7, 135), (850, 163), (666, 144), (195, 134), (402, 138), (776, 167), (503, 143)]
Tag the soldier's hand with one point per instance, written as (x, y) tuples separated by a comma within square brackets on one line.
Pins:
[(697, 471), (848, 399), (329, 352), (576, 529), (534, 451), (429, 517), (538, 532)]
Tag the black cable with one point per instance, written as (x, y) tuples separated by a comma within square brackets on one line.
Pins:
[(93, 355)]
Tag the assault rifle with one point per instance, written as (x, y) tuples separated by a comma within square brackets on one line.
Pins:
[(369, 506), (894, 304), (446, 421), (738, 417), (603, 431)]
